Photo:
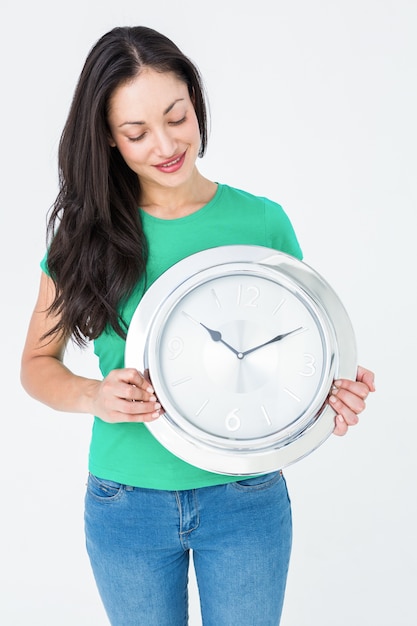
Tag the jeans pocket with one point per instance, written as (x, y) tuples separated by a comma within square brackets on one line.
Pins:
[(256, 483), (104, 490)]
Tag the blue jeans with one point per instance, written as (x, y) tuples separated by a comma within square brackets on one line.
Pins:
[(139, 542)]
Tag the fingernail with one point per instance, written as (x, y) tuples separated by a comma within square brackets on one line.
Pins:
[(337, 383), (340, 419), (150, 390), (156, 414), (152, 399), (332, 399), (157, 405)]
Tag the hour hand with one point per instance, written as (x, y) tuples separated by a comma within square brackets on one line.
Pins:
[(217, 336), (273, 340)]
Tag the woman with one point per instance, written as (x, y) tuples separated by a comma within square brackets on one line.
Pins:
[(135, 129)]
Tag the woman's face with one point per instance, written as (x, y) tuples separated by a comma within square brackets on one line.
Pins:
[(153, 124)]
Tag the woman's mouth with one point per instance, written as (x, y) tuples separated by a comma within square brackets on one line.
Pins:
[(173, 165)]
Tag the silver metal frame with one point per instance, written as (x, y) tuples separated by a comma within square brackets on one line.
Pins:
[(237, 457)]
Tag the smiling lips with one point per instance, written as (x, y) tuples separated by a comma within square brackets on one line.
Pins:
[(173, 165)]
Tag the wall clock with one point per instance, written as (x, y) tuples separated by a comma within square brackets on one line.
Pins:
[(242, 344)]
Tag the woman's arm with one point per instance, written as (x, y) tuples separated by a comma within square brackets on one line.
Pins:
[(124, 395)]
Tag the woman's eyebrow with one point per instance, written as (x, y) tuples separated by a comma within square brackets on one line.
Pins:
[(171, 106), (167, 110)]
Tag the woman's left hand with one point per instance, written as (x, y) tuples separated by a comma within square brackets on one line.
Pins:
[(348, 399)]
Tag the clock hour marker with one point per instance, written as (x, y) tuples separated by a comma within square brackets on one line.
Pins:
[(266, 416), (248, 295), (232, 421), (277, 308), (188, 316), (290, 393), (216, 299), (175, 348), (181, 381), (201, 409)]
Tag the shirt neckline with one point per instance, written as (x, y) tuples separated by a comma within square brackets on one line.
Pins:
[(184, 218)]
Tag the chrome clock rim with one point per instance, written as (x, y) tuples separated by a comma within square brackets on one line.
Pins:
[(263, 454)]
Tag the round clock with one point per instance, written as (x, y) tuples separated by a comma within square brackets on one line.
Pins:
[(242, 344)]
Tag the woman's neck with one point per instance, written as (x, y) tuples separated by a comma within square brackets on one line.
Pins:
[(172, 203)]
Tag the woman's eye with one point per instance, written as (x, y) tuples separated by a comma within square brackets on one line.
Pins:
[(173, 123), (178, 122), (137, 138)]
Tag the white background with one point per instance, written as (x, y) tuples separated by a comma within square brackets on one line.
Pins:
[(314, 105)]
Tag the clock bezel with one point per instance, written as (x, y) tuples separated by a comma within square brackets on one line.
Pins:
[(239, 457)]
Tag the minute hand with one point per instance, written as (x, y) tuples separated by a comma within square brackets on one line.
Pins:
[(277, 338)]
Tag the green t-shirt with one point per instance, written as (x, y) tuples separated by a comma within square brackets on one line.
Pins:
[(126, 452)]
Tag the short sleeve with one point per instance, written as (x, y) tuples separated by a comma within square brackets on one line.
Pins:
[(280, 231), (44, 264)]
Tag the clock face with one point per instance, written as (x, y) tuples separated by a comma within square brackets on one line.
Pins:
[(242, 344), (241, 356)]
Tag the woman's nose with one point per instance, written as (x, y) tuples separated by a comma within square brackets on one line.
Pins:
[(165, 144)]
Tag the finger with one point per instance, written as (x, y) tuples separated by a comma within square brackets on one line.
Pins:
[(340, 428), (145, 408), (143, 411), (353, 400), (141, 406), (134, 377), (129, 414), (349, 414), (354, 387), (132, 393), (367, 377), (127, 384)]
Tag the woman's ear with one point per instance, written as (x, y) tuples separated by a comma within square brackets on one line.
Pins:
[(111, 141)]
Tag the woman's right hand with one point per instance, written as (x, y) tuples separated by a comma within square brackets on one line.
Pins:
[(125, 395)]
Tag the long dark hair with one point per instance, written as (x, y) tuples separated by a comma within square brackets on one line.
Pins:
[(97, 248)]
